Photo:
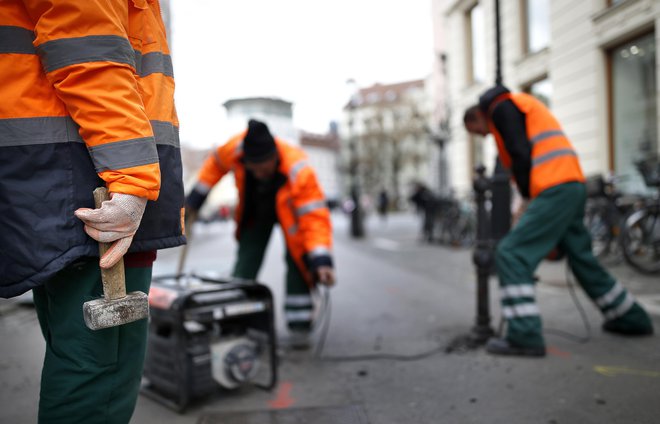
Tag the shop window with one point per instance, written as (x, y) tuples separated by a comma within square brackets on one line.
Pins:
[(633, 107)]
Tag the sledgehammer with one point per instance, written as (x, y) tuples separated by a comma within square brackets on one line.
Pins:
[(116, 307)]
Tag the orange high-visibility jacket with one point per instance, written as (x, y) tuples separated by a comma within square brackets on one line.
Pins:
[(87, 99), (300, 204), (554, 160)]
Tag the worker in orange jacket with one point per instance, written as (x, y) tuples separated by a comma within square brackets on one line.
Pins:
[(545, 167), (275, 185), (87, 100)]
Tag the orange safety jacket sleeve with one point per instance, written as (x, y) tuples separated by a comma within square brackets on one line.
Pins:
[(314, 222), (86, 54), (216, 165)]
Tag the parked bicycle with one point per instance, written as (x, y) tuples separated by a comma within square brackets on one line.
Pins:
[(640, 236), (604, 214), (454, 222)]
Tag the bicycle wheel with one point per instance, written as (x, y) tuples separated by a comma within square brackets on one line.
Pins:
[(641, 240), (597, 223)]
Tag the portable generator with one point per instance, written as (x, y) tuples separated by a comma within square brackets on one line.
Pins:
[(205, 336)]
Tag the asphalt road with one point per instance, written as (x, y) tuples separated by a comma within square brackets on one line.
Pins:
[(397, 298)]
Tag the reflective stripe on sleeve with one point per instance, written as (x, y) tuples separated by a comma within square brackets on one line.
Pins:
[(202, 187), (545, 135), (552, 155), (296, 168), (309, 207), (520, 310), (57, 54), (166, 133), (609, 297), (319, 251), (154, 63), (517, 291), (16, 40), (124, 154)]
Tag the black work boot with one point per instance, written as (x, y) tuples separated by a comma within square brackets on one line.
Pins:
[(497, 346), (635, 322)]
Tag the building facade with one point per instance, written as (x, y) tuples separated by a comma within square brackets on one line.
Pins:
[(593, 62), (323, 151), (387, 142)]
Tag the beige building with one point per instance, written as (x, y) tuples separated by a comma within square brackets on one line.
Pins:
[(322, 151), (593, 61), (385, 138)]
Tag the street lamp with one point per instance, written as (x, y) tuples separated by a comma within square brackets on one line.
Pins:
[(357, 225)]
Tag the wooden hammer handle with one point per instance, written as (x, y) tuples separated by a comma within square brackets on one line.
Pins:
[(114, 284)]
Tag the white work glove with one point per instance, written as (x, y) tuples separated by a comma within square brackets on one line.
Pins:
[(116, 221)]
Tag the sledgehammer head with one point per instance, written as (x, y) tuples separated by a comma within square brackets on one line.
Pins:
[(116, 307), (103, 313)]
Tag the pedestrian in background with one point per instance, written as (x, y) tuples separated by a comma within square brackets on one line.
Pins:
[(545, 166), (87, 100), (383, 204), (275, 185)]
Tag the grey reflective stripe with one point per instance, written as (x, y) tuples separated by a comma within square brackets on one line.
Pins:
[(239, 148), (609, 297), (15, 39), (545, 135), (153, 63), (298, 316), (521, 310), (309, 207), (293, 229), (202, 188), (552, 155), (124, 154), (298, 300), (517, 291), (319, 251), (295, 169), (41, 130), (166, 133), (57, 54), (620, 310)]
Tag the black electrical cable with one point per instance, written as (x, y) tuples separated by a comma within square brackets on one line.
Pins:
[(569, 336)]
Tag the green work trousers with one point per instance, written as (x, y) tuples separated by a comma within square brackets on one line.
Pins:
[(553, 219), (298, 306), (88, 376)]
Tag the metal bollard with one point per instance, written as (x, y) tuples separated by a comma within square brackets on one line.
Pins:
[(482, 258)]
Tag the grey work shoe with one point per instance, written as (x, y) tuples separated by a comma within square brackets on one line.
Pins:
[(497, 346), (300, 339)]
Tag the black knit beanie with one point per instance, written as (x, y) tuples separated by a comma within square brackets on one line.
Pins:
[(258, 144)]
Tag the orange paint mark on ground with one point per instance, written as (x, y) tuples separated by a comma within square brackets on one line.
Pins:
[(557, 352), (283, 398)]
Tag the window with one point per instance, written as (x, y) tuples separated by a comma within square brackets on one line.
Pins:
[(476, 41), (633, 107), (536, 25), (541, 89)]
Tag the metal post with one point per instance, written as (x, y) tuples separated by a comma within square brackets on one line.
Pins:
[(498, 45), (482, 258), (357, 223), (501, 202)]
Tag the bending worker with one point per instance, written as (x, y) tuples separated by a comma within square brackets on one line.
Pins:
[(275, 184), (547, 173), (87, 100)]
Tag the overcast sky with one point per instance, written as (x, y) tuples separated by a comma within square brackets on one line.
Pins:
[(302, 51)]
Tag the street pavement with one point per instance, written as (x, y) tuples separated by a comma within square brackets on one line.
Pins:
[(397, 306)]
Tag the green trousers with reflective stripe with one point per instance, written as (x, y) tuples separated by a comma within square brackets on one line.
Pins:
[(251, 250), (88, 376), (553, 219)]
